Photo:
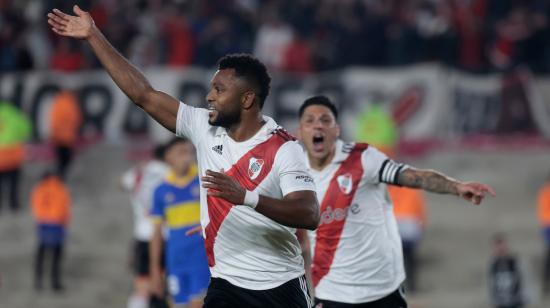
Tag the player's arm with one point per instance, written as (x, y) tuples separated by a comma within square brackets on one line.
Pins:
[(157, 215), (380, 169), (437, 182), (303, 238), (298, 209), (162, 107), (155, 255), (128, 179)]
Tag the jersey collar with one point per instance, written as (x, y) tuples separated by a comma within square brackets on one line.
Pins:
[(269, 126), (339, 156), (181, 181)]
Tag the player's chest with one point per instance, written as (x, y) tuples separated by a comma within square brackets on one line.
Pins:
[(241, 160)]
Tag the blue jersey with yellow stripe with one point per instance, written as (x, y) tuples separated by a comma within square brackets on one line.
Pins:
[(176, 202)]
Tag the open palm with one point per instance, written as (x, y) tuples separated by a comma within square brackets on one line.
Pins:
[(79, 26)]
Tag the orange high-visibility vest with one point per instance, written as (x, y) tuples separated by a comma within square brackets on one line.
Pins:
[(544, 205), (408, 203), (12, 156), (65, 119), (50, 202)]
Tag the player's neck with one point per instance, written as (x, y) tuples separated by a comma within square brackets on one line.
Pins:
[(319, 163), (246, 128), (182, 172)]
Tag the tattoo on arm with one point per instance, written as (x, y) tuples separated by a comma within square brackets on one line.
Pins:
[(428, 180)]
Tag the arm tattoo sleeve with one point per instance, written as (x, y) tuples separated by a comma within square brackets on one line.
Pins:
[(427, 180)]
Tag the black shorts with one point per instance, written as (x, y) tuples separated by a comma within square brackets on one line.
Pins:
[(140, 260), (292, 294), (395, 300)]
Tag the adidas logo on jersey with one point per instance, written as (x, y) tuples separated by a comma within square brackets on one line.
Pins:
[(218, 149), (254, 167)]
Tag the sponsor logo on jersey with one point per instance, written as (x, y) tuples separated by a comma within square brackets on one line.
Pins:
[(345, 183), (329, 215), (354, 208), (254, 167), (305, 178)]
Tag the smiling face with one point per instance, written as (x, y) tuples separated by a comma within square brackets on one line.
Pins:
[(319, 131), (224, 98)]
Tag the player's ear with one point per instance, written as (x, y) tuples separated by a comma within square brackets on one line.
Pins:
[(248, 99)]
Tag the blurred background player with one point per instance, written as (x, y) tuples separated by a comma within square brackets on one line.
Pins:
[(510, 281), (357, 253), (15, 130), (51, 202), (176, 207), (410, 212), (141, 181), (65, 123), (544, 219)]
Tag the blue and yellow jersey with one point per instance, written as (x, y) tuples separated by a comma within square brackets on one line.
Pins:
[(176, 203)]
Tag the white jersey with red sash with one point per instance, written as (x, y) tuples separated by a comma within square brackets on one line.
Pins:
[(357, 255), (243, 246)]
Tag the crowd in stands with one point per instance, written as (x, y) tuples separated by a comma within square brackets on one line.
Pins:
[(289, 35)]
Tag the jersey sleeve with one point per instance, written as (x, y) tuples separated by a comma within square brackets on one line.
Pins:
[(292, 169), (379, 168), (157, 210), (192, 122), (128, 179)]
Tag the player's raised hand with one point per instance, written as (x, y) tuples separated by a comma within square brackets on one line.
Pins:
[(79, 26), (223, 186), (474, 192)]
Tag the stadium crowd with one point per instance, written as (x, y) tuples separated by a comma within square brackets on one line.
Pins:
[(289, 35)]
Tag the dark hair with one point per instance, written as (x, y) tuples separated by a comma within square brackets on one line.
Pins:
[(251, 69), (174, 141), (319, 100), (49, 172), (158, 151), (499, 238)]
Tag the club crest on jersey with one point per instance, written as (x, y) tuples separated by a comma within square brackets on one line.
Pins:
[(345, 183), (169, 198), (255, 167)]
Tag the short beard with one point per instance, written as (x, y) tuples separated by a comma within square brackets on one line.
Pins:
[(226, 120)]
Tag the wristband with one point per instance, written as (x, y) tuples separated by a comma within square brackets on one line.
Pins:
[(251, 199)]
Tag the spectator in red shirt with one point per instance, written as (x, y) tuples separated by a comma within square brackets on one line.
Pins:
[(67, 57)]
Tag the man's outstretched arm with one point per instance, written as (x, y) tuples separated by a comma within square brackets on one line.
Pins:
[(436, 182), (162, 107)]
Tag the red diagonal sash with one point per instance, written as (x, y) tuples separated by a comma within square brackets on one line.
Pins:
[(245, 171), (334, 208)]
